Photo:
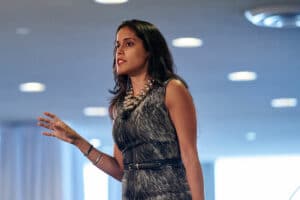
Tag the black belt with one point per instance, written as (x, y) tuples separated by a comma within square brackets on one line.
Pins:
[(155, 164)]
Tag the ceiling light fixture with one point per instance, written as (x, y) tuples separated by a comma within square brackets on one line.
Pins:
[(242, 76), (32, 87), (187, 42), (22, 31), (251, 136), (284, 102), (298, 21), (111, 1), (275, 16), (95, 111)]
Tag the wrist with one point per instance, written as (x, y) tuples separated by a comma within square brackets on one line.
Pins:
[(87, 153), (78, 142), (84, 146)]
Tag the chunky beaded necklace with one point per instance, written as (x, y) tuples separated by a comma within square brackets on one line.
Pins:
[(131, 102)]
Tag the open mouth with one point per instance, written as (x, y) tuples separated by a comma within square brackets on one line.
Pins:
[(120, 61)]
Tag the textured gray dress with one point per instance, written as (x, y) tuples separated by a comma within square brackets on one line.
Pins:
[(148, 135)]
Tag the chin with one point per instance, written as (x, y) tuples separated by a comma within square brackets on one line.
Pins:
[(121, 73)]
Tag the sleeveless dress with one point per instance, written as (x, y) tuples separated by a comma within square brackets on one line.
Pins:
[(148, 135)]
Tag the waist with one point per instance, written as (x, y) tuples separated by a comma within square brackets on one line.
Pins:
[(153, 164)]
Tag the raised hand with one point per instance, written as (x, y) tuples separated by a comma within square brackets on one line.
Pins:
[(57, 128)]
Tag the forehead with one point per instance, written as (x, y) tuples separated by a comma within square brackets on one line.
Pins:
[(125, 33)]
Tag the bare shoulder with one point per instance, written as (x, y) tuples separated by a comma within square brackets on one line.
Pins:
[(176, 92), (175, 83)]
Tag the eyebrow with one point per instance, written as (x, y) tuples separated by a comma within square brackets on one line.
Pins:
[(128, 38)]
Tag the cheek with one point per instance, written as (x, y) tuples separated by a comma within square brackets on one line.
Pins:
[(141, 56)]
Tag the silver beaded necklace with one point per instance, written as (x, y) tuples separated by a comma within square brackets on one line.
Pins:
[(131, 102)]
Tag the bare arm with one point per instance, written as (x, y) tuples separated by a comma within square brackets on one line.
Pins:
[(182, 111), (111, 165)]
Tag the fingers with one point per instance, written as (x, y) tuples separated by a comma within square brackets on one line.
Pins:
[(52, 123), (50, 115), (48, 126), (46, 122), (41, 119), (48, 134)]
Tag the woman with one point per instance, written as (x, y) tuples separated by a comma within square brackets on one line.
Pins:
[(154, 129)]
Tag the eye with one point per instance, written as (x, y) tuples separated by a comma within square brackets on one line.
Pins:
[(117, 45), (129, 44)]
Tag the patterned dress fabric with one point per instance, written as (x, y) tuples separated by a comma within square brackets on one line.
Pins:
[(148, 135)]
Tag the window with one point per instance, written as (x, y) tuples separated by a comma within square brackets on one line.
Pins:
[(258, 178), (95, 183)]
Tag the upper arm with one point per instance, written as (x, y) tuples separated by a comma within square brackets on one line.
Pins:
[(183, 115), (118, 156)]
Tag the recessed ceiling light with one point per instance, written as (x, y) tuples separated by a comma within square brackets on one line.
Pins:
[(284, 102), (95, 142), (32, 87), (95, 111), (275, 16), (22, 31), (187, 42), (298, 21), (111, 1), (242, 76), (251, 136), (274, 20)]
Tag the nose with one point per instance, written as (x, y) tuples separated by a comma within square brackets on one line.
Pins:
[(120, 50)]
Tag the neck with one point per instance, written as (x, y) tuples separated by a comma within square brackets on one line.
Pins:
[(138, 82)]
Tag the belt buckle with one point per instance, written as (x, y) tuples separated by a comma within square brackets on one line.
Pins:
[(157, 165)]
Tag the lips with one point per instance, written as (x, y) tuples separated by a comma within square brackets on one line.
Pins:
[(120, 61)]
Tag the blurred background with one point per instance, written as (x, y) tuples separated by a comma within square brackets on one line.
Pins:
[(244, 78)]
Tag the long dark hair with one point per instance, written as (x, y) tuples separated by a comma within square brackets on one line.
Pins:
[(160, 61)]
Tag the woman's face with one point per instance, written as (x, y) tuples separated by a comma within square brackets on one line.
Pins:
[(131, 56)]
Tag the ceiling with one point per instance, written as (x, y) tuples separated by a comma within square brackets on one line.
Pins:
[(69, 48)]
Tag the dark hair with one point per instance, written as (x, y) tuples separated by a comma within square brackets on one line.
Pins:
[(160, 63)]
